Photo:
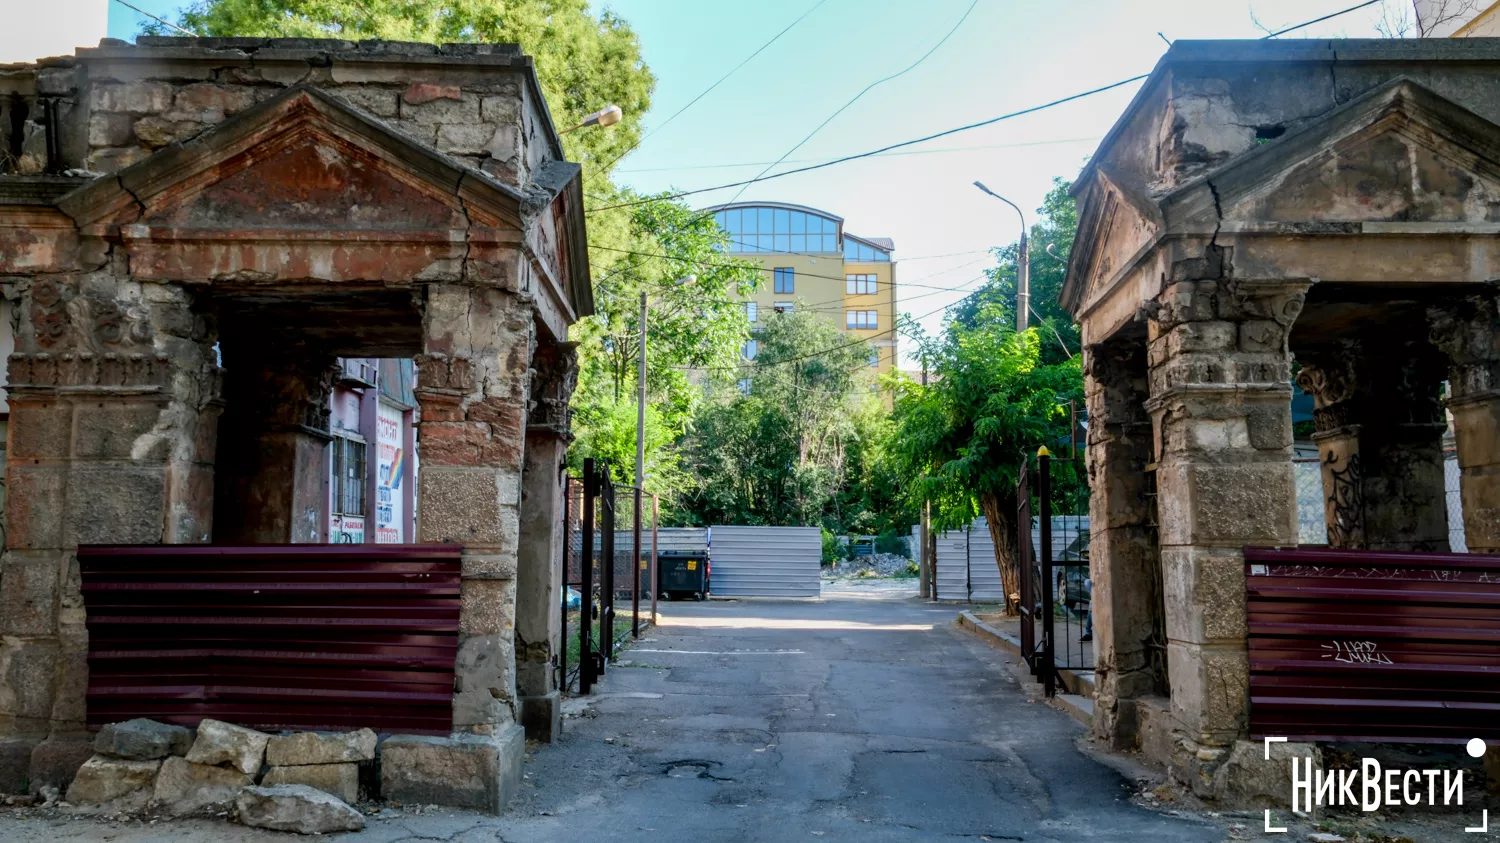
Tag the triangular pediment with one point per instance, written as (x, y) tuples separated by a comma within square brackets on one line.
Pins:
[(301, 161), (1399, 154), (1119, 223)]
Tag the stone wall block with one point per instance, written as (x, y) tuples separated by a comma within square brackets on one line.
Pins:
[(459, 505), (1269, 425), (117, 783), (183, 787), (340, 780), (123, 506), (441, 110), (156, 132), (29, 585), (466, 771), (485, 668), (487, 606), (143, 740), (39, 430), (494, 566), (1210, 691), (464, 138), (110, 431), (506, 109), (1232, 505), (379, 102), (132, 97), (304, 748), (1205, 594), (1259, 335), (69, 707), (28, 679), (225, 743), (15, 761), (206, 103), (110, 129), (57, 760)]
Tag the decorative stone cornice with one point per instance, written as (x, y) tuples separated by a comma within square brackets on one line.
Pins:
[(53, 371)]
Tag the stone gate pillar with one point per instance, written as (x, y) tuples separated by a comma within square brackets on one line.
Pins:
[(1221, 410), (1123, 559), (1469, 334), (539, 580), (114, 402), (1379, 435), (471, 393)]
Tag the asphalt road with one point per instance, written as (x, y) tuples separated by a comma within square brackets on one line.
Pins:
[(864, 716)]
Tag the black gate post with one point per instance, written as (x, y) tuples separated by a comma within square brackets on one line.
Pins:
[(567, 534), (606, 568), (1024, 565), (586, 586), (1044, 497)]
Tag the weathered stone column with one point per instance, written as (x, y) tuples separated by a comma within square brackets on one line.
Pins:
[(113, 399), (273, 469), (472, 390), (1129, 640), (1469, 333), (1379, 436), (1221, 410), (554, 371)]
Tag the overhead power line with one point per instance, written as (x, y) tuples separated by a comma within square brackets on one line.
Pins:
[(706, 91), (953, 131), (162, 21), (943, 150), (868, 88)]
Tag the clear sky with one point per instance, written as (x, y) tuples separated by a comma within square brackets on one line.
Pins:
[(1007, 55)]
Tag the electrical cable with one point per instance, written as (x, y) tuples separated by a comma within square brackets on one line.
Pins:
[(706, 91), (157, 19)]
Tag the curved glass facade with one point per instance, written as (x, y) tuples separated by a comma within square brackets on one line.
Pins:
[(753, 229)]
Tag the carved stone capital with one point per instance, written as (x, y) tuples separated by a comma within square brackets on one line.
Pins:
[(1468, 333), (554, 375)]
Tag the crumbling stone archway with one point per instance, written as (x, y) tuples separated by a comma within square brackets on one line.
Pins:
[(288, 226), (1259, 211)]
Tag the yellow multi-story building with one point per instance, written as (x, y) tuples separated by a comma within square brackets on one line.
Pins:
[(811, 263)]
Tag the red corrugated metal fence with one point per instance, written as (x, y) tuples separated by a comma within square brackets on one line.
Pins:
[(274, 636), (1373, 645)]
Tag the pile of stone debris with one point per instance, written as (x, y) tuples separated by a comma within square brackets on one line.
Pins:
[(306, 779), (876, 565)]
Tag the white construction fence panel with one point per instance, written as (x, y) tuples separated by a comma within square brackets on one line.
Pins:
[(953, 565), (984, 573), (765, 561)]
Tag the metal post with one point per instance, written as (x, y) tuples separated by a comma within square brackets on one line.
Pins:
[(924, 564), (586, 584), (610, 502), (640, 479), (1023, 281), (1044, 497), (567, 533)]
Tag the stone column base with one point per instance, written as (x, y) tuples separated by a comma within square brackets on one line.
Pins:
[(55, 761), (1238, 777), (482, 772), (15, 763), (542, 717)]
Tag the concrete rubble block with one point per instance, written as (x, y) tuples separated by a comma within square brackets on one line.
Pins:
[(114, 782), (56, 761), (224, 743), (463, 771), (142, 739), (297, 808), (303, 748), (1247, 781), (183, 787), (341, 780)]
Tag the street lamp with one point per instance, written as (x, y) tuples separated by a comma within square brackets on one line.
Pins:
[(1023, 271), (606, 116)]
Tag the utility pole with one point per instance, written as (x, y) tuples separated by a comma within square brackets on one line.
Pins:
[(1023, 269), (640, 479)]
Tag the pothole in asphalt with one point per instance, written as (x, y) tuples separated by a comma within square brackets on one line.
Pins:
[(692, 768)]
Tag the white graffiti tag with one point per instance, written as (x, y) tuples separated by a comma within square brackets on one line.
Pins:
[(1355, 652)]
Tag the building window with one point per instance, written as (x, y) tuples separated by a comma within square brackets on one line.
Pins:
[(349, 475), (751, 349), (863, 252), (859, 285), (752, 229), (750, 312), (860, 319), (874, 357), (782, 307), (786, 280), (744, 386)]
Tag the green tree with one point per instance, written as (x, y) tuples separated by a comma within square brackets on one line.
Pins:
[(780, 454), (583, 62), (993, 401)]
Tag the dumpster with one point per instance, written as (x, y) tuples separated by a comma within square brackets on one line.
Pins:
[(682, 573)]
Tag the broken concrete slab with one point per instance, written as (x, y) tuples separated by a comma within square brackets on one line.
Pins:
[(117, 783), (143, 740), (225, 743), (184, 787), (295, 807), (303, 748)]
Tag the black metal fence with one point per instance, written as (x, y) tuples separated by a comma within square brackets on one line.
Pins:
[(1056, 587)]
